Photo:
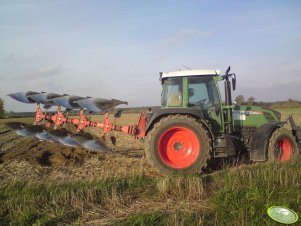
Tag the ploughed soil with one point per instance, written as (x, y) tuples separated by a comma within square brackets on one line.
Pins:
[(29, 158)]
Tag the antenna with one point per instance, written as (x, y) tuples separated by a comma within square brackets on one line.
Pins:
[(186, 67)]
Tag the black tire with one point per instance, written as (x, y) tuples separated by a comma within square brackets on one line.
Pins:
[(178, 143), (282, 146)]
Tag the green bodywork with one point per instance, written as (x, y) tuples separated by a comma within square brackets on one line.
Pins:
[(213, 109), (253, 116)]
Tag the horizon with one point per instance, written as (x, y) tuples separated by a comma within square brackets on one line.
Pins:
[(53, 109)]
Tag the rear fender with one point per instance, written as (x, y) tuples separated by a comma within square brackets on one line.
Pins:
[(260, 141), (157, 115)]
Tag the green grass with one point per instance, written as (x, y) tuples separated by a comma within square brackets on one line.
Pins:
[(234, 196), (243, 195), (238, 196), (25, 203)]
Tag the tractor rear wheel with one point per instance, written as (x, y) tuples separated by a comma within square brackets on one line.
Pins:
[(178, 143), (282, 146)]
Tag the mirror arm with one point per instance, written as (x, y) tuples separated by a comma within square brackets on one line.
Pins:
[(234, 81)]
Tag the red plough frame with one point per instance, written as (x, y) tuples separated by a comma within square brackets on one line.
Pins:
[(58, 119)]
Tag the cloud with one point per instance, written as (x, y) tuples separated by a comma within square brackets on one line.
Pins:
[(186, 34), (43, 72)]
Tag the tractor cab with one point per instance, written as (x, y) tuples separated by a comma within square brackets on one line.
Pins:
[(194, 89)]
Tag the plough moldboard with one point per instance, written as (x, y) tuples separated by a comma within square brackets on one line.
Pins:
[(50, 127)]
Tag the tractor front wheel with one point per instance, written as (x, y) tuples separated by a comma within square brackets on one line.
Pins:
[(282, 146), (178, 143)]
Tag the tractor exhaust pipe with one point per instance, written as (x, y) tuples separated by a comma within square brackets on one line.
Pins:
[(228, 102), (228, 95)]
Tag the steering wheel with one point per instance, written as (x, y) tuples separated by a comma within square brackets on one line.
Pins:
[(201, 102)]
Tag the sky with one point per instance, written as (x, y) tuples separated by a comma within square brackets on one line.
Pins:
[(116, 48)]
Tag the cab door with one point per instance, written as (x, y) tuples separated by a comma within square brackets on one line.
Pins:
[(203, 94)]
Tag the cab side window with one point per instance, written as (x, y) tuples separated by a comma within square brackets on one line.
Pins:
[(172, 92)]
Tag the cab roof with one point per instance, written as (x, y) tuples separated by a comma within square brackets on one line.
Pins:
[(191, 73)]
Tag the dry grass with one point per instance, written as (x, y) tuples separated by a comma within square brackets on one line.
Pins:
[(295, 112)]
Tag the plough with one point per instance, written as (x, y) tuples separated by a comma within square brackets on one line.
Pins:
[(82, 122), (60, 118)]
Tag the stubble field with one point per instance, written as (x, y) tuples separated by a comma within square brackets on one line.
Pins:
[(45, 183)]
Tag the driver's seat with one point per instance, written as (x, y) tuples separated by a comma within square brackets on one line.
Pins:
[(175, 100)]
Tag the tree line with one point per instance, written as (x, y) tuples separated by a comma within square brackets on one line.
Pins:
[(240, 100), (2, 111), (250, 101)]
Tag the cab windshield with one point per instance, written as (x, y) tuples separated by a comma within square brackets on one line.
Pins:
[(201, 92)]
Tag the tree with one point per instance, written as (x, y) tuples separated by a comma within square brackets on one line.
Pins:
[(2, 112), (240, 99), (250, 101), (292, 103)]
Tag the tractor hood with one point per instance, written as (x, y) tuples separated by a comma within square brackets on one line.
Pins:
[(254, 116)]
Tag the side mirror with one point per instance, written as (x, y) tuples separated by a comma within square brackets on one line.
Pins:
[(160, 76), (191, 92), (234, 82), (228, 70)]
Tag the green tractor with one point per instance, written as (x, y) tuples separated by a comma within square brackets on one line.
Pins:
[(194, 126)]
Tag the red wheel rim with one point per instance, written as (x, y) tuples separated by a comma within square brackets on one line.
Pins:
[(283, 150), (179, 147)]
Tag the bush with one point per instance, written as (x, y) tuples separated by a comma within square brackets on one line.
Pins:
[(2, 112)]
